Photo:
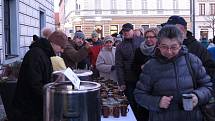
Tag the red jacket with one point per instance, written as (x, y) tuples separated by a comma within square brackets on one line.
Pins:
[(94, 52)]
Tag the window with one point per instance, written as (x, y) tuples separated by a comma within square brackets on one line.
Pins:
[(204, 34), (98, 7), (113, 7), (85, 4), (144, 6), (77, 28), (175, 6), (145, 26), (201, 9), (129, 7), (77, 8), (99, 30), (114, 29), (42, 20), (159, 26), (212, 9), (159, 6), (10, 29)]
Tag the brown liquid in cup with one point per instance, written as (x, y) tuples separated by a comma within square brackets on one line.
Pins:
[(105, 111)]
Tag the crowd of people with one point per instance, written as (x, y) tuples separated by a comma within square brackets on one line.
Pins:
[(148, 65)]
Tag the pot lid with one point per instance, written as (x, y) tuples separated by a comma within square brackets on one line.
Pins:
[(81, 72), (67, 87)]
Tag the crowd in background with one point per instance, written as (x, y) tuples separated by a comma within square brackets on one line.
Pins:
[(148, 65)]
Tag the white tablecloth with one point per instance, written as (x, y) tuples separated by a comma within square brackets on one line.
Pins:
[(130, 117)]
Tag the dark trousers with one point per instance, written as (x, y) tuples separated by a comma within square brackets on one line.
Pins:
[(140, 113)]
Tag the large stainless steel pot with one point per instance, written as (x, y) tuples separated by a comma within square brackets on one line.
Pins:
[(63, 103)]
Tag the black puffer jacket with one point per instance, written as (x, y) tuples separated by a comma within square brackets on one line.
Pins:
[(162, 77), (125, 52), (197, 49), (35, 72)]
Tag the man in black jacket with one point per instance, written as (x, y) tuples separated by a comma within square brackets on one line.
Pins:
[(194, 46), (124, 60)]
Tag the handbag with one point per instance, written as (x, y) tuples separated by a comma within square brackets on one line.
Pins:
[(208, 110)]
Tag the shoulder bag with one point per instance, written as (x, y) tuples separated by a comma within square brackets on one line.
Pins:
[(208, 110)]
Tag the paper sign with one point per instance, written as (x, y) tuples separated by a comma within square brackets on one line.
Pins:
[(72, 77)]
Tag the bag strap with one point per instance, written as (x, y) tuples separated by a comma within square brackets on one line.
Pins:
[(187, 58)]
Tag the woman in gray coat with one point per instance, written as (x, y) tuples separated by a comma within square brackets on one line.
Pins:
[(166, 77), (105, 62)]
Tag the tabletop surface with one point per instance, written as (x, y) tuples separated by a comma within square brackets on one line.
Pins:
[(130, 117)]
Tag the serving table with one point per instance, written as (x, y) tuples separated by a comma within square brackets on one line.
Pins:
[(130, 117)]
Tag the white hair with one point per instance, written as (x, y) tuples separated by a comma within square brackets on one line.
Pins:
[(47, 31)]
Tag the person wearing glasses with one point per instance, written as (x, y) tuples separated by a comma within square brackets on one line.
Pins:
[(142, 55), (194, 46), (166, 77)]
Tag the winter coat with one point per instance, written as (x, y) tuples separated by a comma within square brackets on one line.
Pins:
[(94, 52), (197, 49), (163, 77), (124, 60), (142, 55), (72, 56), (34, 73), (104, 63)]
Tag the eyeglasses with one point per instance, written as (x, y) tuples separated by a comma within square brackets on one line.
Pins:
[(150, 37), (172, 48)]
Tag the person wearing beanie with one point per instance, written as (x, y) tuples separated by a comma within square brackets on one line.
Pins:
[(94, 51), (105, 62), (76, 51), (118, 40), (35, 72), (194, 46)]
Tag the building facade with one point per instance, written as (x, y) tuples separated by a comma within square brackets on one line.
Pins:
[(19, 21), (205, 18), (108, 16)]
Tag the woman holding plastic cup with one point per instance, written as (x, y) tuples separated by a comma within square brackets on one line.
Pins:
[(166, 77)]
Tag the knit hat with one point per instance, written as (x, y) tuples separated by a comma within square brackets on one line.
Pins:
[(108, 38), (79, 34), (94, 34), (127, 27), (59, 38)]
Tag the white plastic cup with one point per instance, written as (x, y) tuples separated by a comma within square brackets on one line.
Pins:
[(187, 102)]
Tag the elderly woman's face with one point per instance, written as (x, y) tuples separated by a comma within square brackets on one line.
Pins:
[(151, 39), (169, 47)]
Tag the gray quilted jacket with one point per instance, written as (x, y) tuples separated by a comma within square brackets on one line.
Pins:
[(161, 77)]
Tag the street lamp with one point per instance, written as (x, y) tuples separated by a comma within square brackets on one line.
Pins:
[(192, 15)]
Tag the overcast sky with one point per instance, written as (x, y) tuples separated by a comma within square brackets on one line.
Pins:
[(56, 7)]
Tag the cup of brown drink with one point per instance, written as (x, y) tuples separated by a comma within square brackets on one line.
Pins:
[(124, 109), (105, 111), (116, 111)]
